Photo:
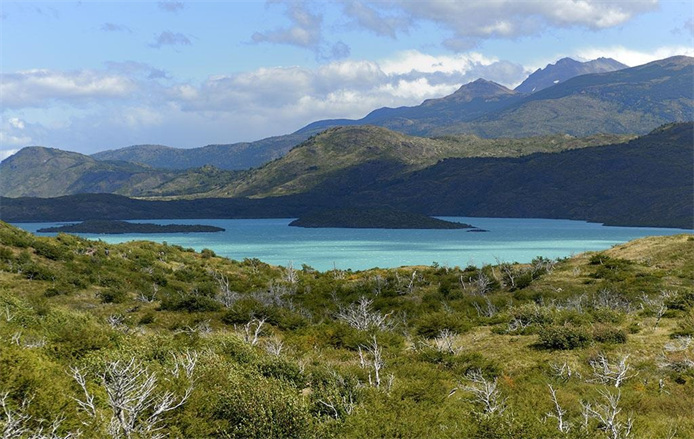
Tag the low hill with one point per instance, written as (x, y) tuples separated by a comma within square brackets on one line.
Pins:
[(48, 172), (373, 219), (235, 156), (109, 227)]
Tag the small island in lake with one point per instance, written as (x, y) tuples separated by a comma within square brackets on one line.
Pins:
[(112, 227), (374, 219)]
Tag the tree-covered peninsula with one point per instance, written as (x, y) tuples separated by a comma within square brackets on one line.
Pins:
[(114, 227)]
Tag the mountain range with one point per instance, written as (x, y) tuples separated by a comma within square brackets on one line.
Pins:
[(489, 151), (632, 101)]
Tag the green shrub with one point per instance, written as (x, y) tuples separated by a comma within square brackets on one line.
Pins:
[(206, 253), (262, 408), (609, 334), (112, 295), (34, 271), (190, 303), (58, 290), (430, 325), (564, 337)]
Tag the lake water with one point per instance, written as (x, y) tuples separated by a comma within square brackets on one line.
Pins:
[(274, 242)]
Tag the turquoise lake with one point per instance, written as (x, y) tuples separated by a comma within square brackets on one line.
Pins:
[(507, 240)]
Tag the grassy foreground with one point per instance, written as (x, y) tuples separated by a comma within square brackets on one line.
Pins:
[(145, 340)]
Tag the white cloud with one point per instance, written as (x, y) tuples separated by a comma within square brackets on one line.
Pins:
[(377, 21), (304, 30), (493, 18), (36, 87), (13, 134)]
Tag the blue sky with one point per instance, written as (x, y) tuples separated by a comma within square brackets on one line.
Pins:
[(93, 75)]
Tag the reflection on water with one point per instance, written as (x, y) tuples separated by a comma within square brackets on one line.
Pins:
[(508, 240)]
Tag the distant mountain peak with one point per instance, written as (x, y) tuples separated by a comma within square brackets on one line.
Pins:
[(477, 89), (565, 69)]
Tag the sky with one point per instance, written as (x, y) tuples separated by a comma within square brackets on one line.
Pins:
[(88, 76)]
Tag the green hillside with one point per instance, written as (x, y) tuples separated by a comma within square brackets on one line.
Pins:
[(308, 165), (241, 349), (49, 172), (648, 181)]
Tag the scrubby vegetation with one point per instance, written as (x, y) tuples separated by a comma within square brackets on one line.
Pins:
[(143, 340)]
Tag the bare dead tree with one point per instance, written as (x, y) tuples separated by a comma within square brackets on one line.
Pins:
[(658, 304), (291, 276), (484, 392), (559, 413), (226, 296), (489, 310), (274, 346), (137, 408), (379, 282), (606, 372), (8, 314), (341, 403), (445, 342), (509, 273), (13, 424), (373, 361), (607, 415), (252, 330), (678, 354), (361, 316), (564, 371), (517, 324), (16, 424), (406, 285), (609, 299)]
